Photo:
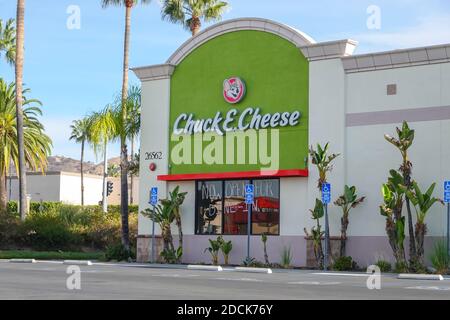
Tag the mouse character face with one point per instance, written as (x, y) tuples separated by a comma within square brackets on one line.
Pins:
[(233, 90)]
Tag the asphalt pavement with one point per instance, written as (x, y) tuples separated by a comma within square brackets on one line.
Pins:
[(53, 280)]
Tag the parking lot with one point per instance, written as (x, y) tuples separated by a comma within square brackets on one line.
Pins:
[(48, 280)]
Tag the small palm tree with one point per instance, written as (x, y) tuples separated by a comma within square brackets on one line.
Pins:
[(403, 141), (103, 129), (422, 202), (81, 134), (128, 4), (37, 143), (322, 161), (190, 13), (347, 201), (8, 40)]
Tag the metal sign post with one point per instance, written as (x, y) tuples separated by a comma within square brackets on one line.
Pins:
[(447, 201), (326, 198), (249, 199), (153, 202)]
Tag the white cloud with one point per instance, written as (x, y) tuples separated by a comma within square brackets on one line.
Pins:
[(430, 30)]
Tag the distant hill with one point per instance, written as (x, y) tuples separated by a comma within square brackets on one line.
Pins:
[(60, 163)]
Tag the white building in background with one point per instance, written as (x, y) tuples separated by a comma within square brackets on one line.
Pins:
[(62, 186), (59, 186)]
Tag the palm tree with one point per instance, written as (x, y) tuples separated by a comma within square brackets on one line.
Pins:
[(133, 124), (129, 4), (8, 41), (81, 134), (37, 144), (190, 13), (20, 38), (103, 129)]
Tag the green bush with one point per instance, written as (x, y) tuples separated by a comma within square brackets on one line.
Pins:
[(344, 264), (117, 252), (385, 266), (57, 226), (286, 257), (46, 231), (401, 267), (440, 259)]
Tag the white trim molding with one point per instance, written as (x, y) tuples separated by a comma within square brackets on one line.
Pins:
[(300, 39), (329, 50), (156, 72), (397, 58)]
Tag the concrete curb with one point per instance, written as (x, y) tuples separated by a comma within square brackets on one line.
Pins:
[(411, 276), (204, 267), (78, 262), (22, 261), (253, 270)]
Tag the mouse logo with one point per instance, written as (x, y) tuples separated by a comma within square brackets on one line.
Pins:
[(233, 90)]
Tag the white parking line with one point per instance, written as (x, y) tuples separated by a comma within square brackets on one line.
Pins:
[(175, 275), (429, 288), (316, 283), (239, 279), (341, 274)]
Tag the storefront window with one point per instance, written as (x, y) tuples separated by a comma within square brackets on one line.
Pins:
[(266, 210), (209, 207), (235, 211), (221, 207)]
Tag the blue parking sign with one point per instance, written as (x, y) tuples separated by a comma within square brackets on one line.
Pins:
[(326, 193), (447, 191), (154, 196), (249, 193)]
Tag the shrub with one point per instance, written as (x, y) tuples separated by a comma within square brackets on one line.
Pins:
[(171, 255), (118, 252), (47, 231), (401, 267), (385, 266), (440, 259), (344, 264), (286, 257)]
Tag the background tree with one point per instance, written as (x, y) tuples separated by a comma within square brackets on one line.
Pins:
[(347, 201), (8, 40), (103, 129), (190, 13), (128, 4), (37, 143), (20, 39), (81, 134), (404, 140), (132, 128)]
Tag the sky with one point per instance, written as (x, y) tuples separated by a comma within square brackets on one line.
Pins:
[(75, 71)]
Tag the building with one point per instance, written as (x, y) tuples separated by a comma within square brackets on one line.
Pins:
[(62, 186), (274, 90)]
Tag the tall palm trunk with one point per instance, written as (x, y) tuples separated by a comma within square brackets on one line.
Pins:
[(406, 170), (344, 227), (195, 26), (131, 174), (3, 195), (123, 138), (105, 176), (20, 36), (82, 173)]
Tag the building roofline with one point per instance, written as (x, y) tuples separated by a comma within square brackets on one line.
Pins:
[(397, 58)]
